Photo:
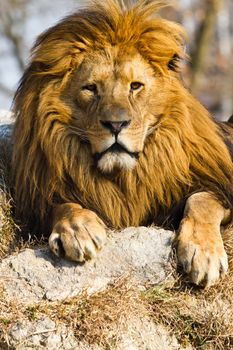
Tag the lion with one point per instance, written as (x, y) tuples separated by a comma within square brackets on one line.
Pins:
[(106, 135)]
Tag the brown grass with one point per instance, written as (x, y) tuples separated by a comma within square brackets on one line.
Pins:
[(194, 318), (8, 228), (92, 318), (11, 240)]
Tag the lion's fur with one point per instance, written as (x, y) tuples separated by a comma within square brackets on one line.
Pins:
[(185, 153)]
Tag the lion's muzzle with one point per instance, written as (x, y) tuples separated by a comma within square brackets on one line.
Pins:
[(116, 156)]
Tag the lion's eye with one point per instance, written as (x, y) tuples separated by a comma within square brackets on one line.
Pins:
[(90, 87), (136, 85)]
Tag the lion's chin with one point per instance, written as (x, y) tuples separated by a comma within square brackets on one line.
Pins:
[(110, 162)]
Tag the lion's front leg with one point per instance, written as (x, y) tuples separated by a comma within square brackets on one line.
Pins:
[(77, 233), (200, 247)]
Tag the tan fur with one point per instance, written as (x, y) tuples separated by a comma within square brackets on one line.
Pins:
[(181, 149)]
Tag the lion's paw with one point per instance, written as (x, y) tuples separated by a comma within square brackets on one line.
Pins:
[(201, 253), (78, 237)]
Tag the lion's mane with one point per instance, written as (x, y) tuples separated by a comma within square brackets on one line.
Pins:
[(186, 153)]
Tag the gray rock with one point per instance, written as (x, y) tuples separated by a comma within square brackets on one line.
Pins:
[(41, 334), (5, 116), (143, 253), (6, 128), (6, 124), (138, 333)]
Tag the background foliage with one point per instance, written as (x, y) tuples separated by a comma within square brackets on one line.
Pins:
[(208, 74)]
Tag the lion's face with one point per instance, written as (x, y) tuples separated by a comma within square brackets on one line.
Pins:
[(114, 107)]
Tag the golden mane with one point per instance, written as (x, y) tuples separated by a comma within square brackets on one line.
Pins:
[(186, 152)]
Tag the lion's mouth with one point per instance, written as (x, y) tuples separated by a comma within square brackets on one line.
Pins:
[(116, 148)]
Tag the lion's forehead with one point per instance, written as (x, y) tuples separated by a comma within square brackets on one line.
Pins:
[(112, 67)]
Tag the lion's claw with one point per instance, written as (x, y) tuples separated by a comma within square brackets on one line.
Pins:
[(78, 238)]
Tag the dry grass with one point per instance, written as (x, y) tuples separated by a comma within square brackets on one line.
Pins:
[(205, 323), (11, 240), (94, 319), (8, 228)]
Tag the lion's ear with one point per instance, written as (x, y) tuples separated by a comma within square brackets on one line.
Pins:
[(173, 64)]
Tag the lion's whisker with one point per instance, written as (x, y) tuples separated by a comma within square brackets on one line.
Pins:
[(152, 129), (80, 130), (79, 134)]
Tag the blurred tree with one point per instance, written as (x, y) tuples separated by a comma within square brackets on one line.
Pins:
[(204, 39), (12, 17)]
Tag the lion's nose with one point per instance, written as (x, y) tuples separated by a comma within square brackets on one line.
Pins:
[(115, 127)]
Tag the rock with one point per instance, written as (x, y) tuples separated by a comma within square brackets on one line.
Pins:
[(6, 124), (142, 334), (138, 334), (143, 253), (35, 275), (6, 117), (6, 128), (41, 334)]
